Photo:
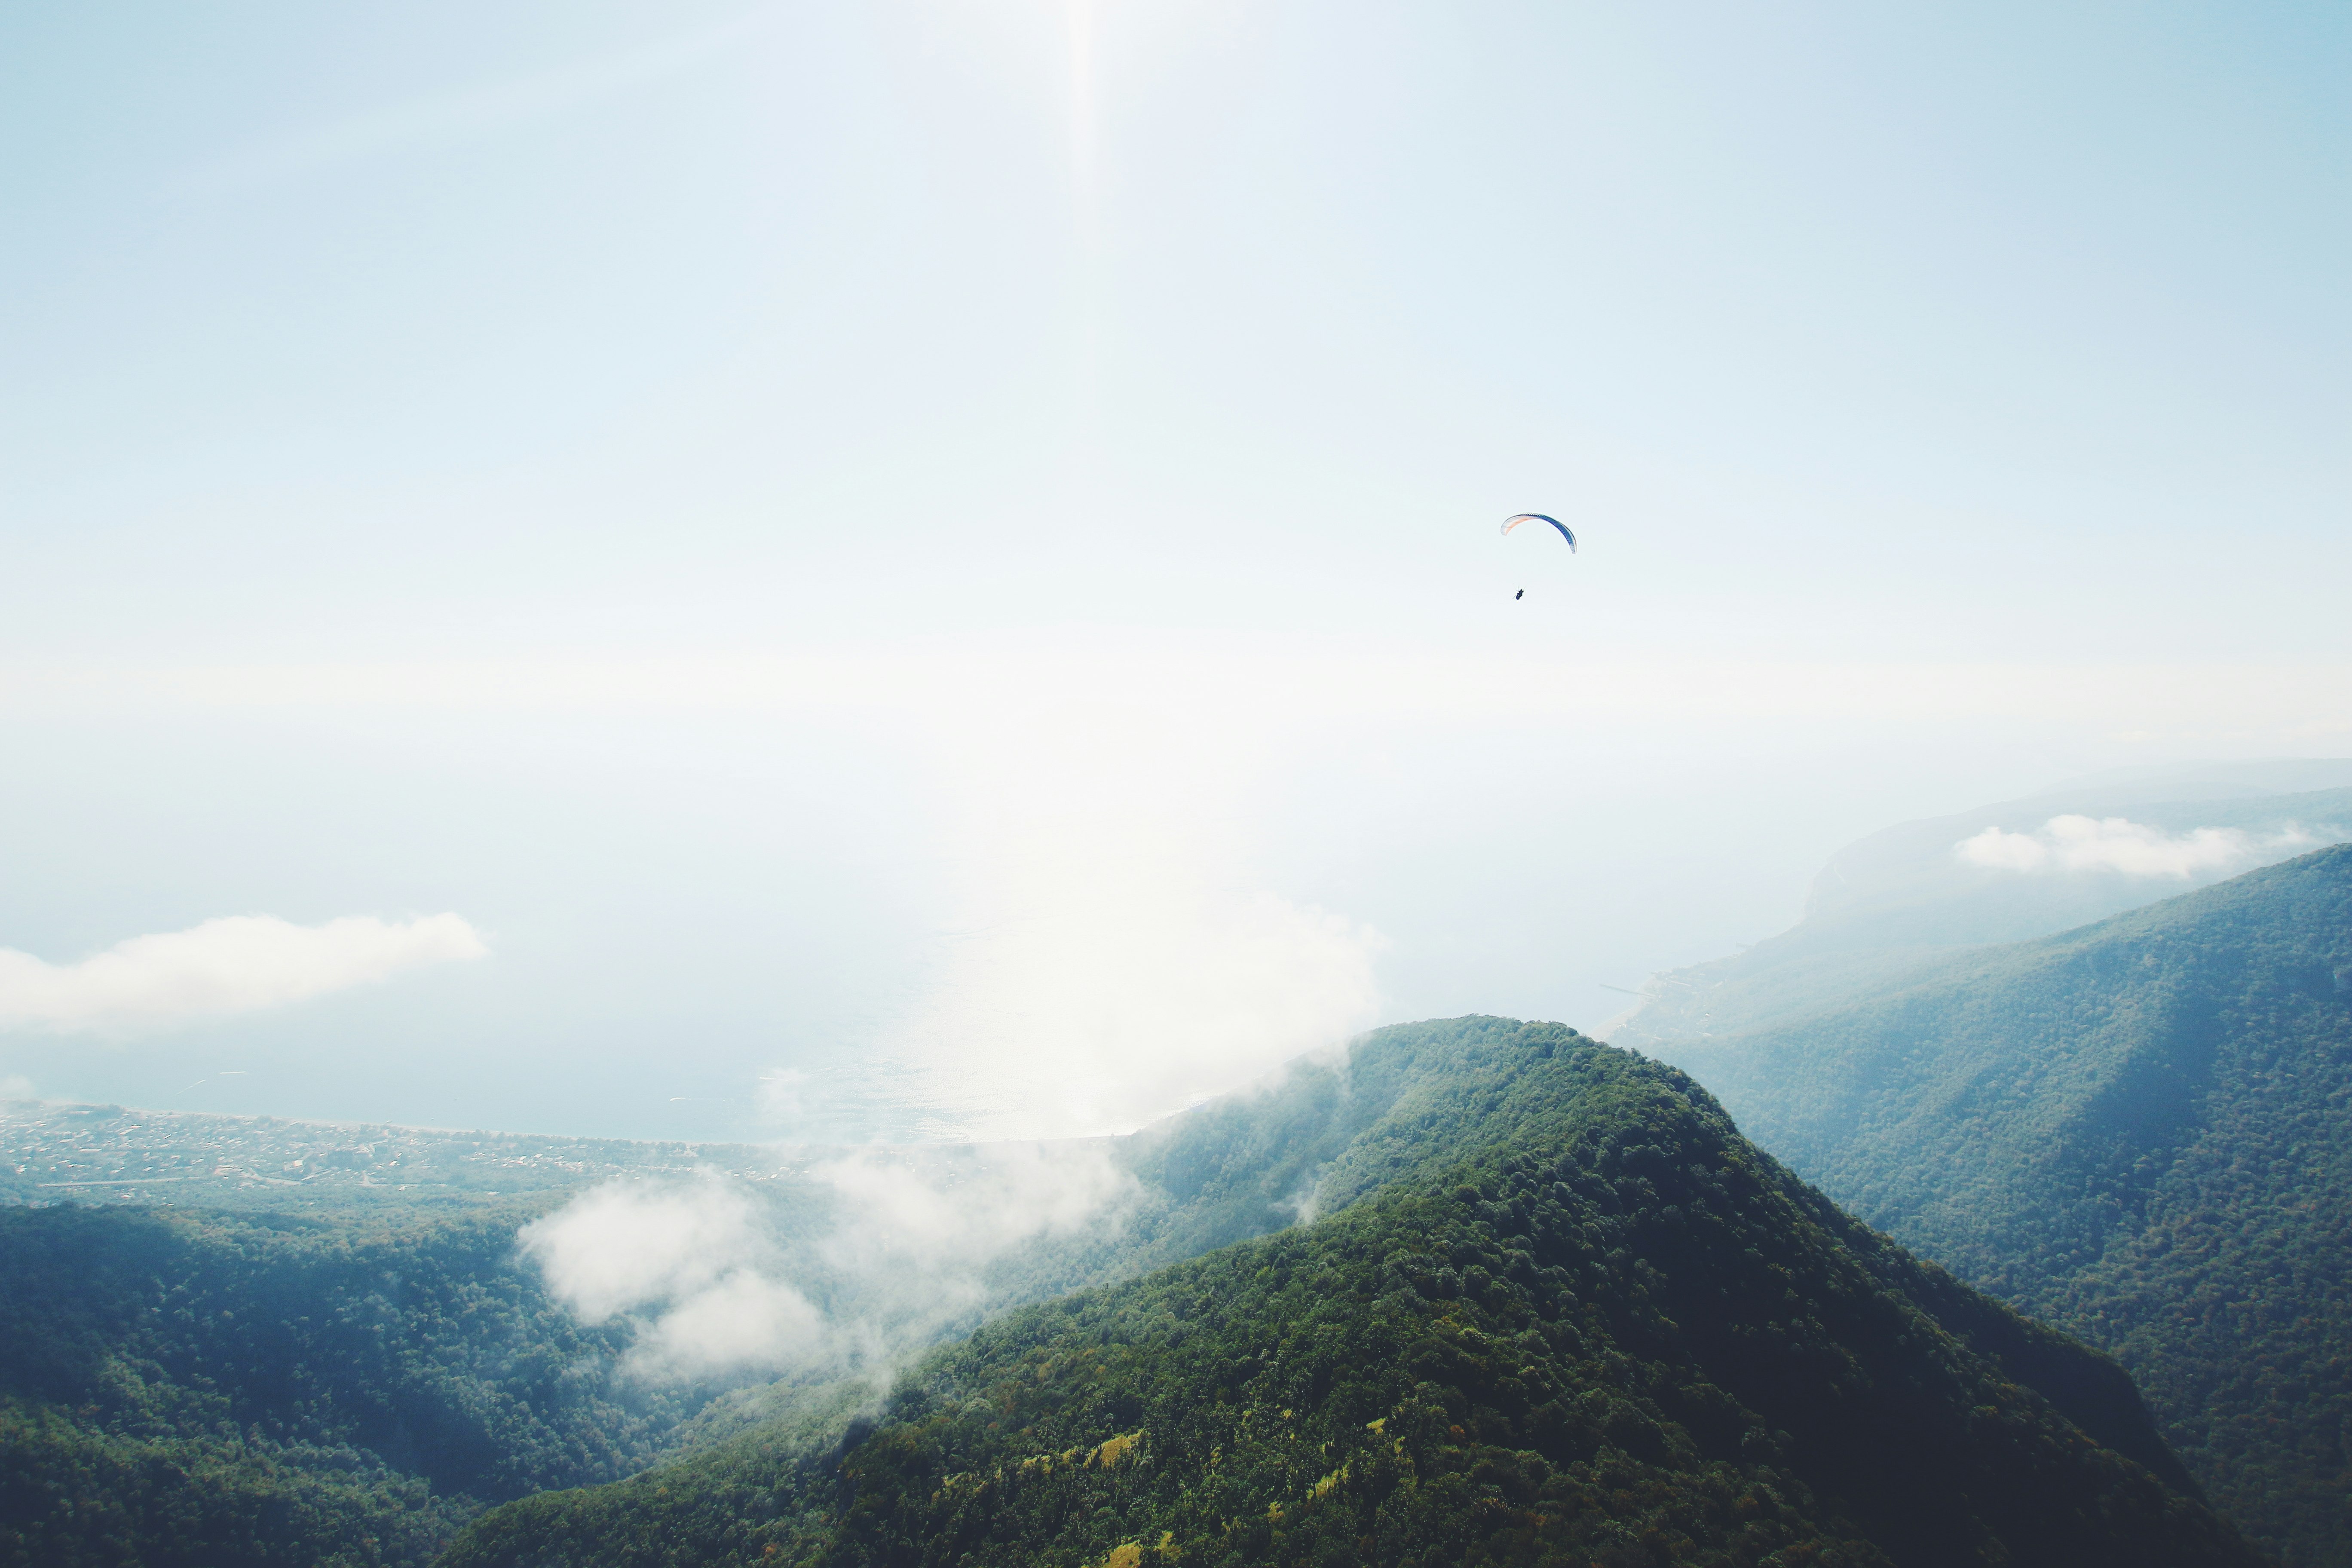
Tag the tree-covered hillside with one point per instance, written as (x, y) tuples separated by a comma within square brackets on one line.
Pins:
[(2141, 1132), (207, 1389), (183, 1386), (1569, 1316)]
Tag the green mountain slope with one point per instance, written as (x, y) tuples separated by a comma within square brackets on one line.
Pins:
[(197, 1388), (1558, 1311), (184, 1385), (2141, 1132)]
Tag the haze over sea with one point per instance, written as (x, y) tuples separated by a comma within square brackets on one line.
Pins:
[(933, 570)]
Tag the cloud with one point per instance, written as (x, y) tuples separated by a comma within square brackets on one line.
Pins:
[(2115, 844), (1122, 1002), (622, 1245), (1116, 953), (235, 964), (745, 1322), (726, 1283), (997, 1198), (696, 1258)]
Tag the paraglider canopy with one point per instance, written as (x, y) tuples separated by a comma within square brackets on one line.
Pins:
[(1511, 522)]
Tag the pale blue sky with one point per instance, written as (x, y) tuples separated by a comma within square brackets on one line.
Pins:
[(429, 435)]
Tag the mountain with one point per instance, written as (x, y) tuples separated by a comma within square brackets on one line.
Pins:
[(2137, 1131), (207, 1388), (344, 1361), (1552, 1308), (1887, 910)]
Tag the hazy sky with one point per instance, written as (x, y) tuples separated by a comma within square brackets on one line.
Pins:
[(948, 551)]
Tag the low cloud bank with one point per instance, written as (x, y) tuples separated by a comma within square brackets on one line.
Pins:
[(1119, 1006), (2119, 846), (868, 1261), (1116, 945), (237, 965)]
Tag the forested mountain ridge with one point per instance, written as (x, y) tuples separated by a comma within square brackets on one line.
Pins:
[(180, 1385), (202, 1388), (1577, 1319), (2140, 1132)]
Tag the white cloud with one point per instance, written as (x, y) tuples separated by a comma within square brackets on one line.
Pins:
[(940, 1221), (2119, 844), (906, 1255), (744, 1321), (1129, 999), (622, 1245), (235, 964), (1118, 954)]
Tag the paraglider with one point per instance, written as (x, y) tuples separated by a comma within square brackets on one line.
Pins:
[(1516, 519), (1513, 522)]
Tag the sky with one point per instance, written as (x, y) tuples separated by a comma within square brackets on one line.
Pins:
[(932, 569)]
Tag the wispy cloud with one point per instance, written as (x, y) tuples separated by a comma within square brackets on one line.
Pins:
[(724, 1284), (744, 1321), (237, 965), (625, 1244), (2119, 846), (1124, 1000), (700, 1255), (1116, 953), (1001, 1197)]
